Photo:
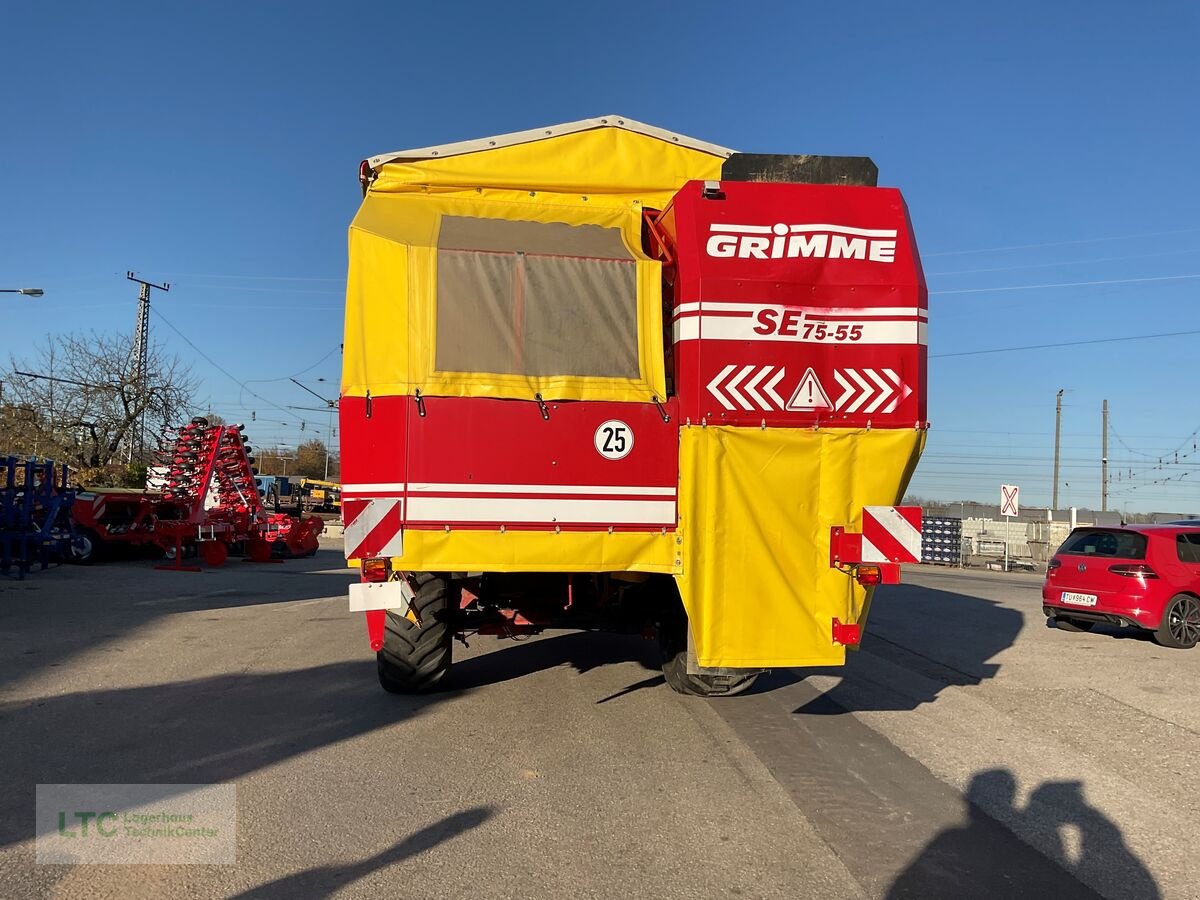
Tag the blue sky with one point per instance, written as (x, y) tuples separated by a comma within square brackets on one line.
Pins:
[(215, 146)]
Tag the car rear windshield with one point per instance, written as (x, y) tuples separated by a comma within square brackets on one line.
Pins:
[(1119, 544)]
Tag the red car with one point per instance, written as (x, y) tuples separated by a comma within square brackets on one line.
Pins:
[(1143, 576)]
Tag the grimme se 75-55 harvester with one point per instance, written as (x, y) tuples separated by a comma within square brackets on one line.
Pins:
[(600, 375)]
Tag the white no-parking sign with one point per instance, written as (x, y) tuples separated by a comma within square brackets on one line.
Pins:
[(1010, 500)]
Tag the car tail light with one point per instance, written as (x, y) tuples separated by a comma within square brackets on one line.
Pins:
[(377, 569), (1054, 563), (1134, 570)]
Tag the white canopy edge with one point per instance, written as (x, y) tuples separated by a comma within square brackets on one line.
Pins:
[(540, 134)]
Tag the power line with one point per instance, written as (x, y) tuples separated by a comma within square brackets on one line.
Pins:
[(1130, 337), (1123, 237), (1065, 284), (1070, 262), (250, 277), (217, 365)]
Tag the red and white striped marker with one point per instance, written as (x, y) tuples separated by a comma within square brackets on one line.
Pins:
[(891, 534), (373, 528)]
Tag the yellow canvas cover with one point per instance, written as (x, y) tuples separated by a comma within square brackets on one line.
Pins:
[(756, 508), (603, 176)]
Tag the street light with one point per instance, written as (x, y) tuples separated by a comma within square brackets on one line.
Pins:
[(28, 292)]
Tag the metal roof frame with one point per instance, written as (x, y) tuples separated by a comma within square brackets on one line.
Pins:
[(540, 134)]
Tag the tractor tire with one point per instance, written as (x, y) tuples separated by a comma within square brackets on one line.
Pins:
[(673, 638), (676, 675), (415, 658)]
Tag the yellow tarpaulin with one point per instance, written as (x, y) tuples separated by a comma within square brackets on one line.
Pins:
[(756, 507)]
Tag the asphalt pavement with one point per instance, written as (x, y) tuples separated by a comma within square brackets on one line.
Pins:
[(965, 751)]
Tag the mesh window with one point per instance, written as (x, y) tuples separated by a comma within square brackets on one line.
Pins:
[(535, 298)]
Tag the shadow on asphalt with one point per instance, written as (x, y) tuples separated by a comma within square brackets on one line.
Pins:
[(221, 728), (949, 638), (325, 881), (53, 615), (979, 858)]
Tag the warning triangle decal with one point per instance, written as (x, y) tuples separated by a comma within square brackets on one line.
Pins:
[(809, 394)]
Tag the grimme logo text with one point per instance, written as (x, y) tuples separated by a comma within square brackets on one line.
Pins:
[(794, 241)]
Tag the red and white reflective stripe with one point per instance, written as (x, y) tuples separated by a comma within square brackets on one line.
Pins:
[(373, 528), (374, 489), (891, 534), (741, 322), (467, 503), (99, 507)]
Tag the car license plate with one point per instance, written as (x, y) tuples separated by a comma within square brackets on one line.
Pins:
[(1079, 599)]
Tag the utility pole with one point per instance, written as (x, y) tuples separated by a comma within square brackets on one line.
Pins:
[(140, 354), (1057, 444), (1104, 461)]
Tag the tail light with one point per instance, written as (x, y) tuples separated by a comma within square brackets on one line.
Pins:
[(376, 569), (1135, 570), (868, 575), (1054, 563)]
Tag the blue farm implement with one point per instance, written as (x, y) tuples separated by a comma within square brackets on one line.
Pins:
[(35, 515)]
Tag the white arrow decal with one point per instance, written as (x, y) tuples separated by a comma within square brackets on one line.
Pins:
[(733, 391), (752, 388), (884, 392), (715, 383), (847, 389), (863, 386), (771, 385), (902, 391), (734, 384)]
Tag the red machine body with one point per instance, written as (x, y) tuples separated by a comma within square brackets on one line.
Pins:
[(796, 305)]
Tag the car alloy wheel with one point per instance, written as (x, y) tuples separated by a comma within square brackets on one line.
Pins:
[(1183, 620)]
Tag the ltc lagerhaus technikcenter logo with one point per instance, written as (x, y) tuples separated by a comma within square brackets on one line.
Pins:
[(136, 823)]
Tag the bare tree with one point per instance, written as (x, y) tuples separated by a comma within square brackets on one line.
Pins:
[(84, 405)]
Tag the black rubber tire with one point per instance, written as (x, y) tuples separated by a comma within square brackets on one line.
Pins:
[(85, 547), (672, 633), (1180, 625), (414, 659), (1066, 623)]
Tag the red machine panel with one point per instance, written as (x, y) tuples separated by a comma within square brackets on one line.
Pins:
[(484, 463), (797, 305)]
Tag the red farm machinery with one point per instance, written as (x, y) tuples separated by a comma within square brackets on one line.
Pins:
[(601, 375), (206, 503)]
